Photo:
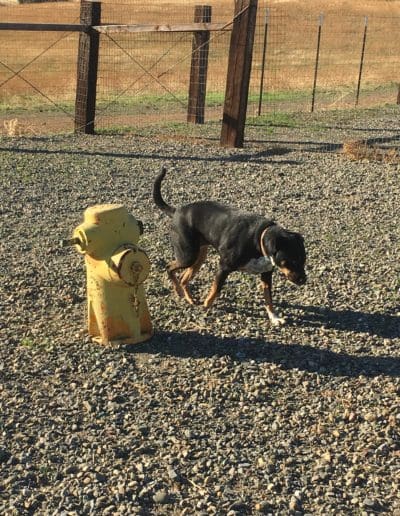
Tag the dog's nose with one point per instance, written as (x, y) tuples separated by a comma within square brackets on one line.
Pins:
[(302, 280)]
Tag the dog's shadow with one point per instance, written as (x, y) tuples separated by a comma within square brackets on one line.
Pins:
[(193, 344), (384, 325)]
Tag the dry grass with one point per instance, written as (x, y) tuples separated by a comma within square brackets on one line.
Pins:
[(361, 150), (14, 127)]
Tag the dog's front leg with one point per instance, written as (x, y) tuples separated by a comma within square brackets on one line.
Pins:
[(266, 283), (216, 287)]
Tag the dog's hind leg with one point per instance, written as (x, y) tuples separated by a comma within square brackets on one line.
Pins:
[(190, 272), (172, 268), (186, 251)]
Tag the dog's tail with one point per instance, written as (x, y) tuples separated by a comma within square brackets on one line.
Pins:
[(169, 210)]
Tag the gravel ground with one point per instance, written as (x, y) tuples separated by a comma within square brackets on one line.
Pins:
[(219, 413)]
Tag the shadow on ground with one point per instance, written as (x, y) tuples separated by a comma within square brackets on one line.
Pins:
[(303, 357), (384, 325), (242, 157)]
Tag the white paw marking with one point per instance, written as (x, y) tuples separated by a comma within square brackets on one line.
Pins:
[(276, 321), (279, 321)]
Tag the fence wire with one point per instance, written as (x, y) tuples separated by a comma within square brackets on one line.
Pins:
[(302, 61)]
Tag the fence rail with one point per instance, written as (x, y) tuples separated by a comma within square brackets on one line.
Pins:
[(232, 133), (188, 27), (44, 27)]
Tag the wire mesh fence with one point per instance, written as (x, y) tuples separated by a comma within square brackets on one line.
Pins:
[(37, 70), (149, 79), (354, 51), (302, 61), (144, 77)]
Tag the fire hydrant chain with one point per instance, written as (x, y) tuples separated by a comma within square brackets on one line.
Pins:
[(135, 301)]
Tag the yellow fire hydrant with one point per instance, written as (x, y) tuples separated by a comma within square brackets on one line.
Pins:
[(116, 269)]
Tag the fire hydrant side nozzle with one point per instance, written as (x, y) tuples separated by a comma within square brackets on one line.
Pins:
[(116, 269)]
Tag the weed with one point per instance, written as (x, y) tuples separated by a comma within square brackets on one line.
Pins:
[(13, 127), (41, 345)]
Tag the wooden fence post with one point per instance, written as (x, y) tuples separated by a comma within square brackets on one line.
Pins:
[(238, 77), (88, 57), (198, 68)]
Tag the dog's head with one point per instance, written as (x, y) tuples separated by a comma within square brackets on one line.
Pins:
[(287, 251)]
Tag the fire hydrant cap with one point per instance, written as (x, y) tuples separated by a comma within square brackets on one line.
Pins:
[(105, 213), (132, 265)]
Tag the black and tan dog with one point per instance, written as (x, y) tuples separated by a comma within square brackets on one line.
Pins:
[(244, 242)]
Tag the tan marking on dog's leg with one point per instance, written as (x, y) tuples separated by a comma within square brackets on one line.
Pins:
[(190, 272), (188, 295), (212, 295), (216, 286), (172, 267)]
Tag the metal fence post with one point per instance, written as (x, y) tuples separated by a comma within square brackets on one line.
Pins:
[(88, 56), (263, 61), (199, 66), (361, 60), (238, 77), (321, 18)]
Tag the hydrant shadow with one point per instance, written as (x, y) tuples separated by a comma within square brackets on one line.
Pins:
[(294, 356)]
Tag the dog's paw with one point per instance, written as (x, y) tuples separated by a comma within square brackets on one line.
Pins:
[(191, 301), (277, 321), (207, 304), (187, 295)]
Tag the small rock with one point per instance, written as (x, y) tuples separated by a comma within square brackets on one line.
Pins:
[(161, 497), (4, 455), (173, 475), (264, 507), (370, 503)]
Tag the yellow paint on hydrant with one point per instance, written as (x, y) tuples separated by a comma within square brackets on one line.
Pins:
[(116, 269)]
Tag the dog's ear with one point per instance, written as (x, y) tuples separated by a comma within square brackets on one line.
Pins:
[(300, 243), (300, 239), (296, 236)]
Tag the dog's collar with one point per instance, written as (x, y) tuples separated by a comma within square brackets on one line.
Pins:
[(263, 250)]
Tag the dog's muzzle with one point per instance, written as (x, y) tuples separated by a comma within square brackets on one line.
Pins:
[(297, 279), (301, 280)]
